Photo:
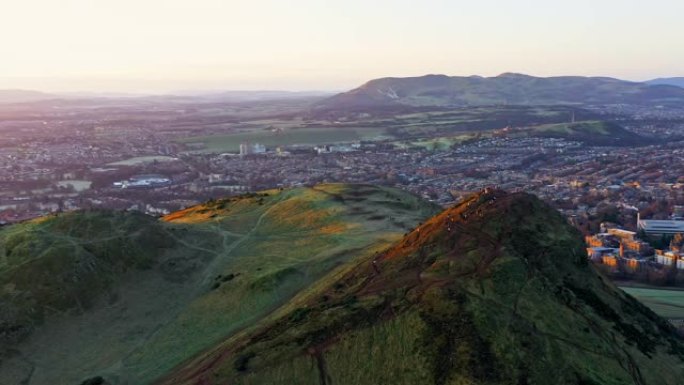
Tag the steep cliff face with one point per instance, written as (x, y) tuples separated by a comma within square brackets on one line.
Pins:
[(495, 290)]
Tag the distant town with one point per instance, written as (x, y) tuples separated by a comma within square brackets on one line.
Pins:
[(159, 158)]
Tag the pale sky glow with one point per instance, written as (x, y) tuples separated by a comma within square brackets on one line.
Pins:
[(165, 45)]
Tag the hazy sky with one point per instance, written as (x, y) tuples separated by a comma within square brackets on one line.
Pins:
[(162, 45)]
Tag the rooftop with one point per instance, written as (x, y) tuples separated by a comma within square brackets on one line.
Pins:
[(661, 226)]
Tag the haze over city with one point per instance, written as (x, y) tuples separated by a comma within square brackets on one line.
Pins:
[(170, 45)]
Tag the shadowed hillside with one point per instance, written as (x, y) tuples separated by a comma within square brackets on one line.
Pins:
[(127, 297), (496, 290)]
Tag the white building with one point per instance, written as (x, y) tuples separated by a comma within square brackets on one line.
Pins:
[(144, 181), (256, 148), (666, 259)]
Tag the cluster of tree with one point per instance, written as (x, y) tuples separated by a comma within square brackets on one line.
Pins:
[(658, 209), (649, 274), (663, 242), (605, 213)]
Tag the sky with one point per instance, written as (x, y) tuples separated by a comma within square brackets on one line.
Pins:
[(168, 45)]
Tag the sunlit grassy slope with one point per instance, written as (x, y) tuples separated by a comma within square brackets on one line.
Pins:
[(128, 297), (496, 290)]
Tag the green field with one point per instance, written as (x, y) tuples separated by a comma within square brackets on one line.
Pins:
[(667, 303), (602, 133), (287, 137), (590, 127), (442, 143)]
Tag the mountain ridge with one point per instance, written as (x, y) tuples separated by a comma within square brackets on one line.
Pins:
[(674, 81), (505, 89)]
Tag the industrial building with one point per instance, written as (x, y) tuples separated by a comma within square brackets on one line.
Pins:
[(654, 227)]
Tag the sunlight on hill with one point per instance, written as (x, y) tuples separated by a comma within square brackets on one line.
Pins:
[(170, 289)]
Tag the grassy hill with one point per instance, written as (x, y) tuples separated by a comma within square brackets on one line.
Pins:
[(506, 89), (596, 133), (496, 290), (129, 297), (590, 132)]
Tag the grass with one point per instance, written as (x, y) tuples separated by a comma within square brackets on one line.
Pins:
[(222, 267), (666, 303), (508, 298), (591, 132), (443, 143), (288, 137), (590, 127), (290, 234)]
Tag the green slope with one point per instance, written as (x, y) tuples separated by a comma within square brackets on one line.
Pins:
[(496, 290), (597, 133), (128, 297)]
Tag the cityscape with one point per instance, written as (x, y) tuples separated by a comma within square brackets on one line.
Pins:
[(101, 161), (341, 192)]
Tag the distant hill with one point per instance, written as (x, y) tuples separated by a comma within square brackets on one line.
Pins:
[(27, 96), (678, 82), (128, 297), (253, 96), (506, 89), (23, 96), (496, 290)]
